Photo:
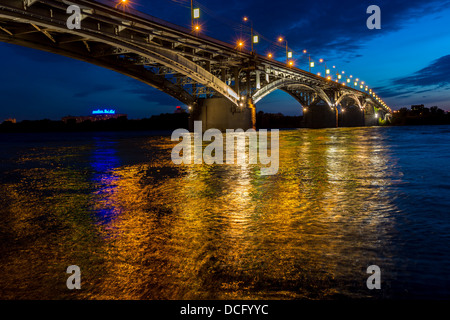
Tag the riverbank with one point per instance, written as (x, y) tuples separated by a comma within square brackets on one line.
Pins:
[(172, 121)]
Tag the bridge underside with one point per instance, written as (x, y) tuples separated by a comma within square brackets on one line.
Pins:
[(222, 85), (219, 113), (173, 63)]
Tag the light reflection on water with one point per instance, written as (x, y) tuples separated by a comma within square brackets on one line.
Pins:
[(140, 227), (104, 161)]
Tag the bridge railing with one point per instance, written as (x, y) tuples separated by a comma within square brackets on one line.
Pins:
[(187, 32), (134, 12)]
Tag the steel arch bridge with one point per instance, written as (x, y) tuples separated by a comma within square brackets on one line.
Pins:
[(197, 70)]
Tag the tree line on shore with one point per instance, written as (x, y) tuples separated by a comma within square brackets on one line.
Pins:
[(417, 115), (165, 121)]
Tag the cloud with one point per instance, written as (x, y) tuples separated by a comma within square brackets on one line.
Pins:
[(434, 76), (335, 27), (330, 28)]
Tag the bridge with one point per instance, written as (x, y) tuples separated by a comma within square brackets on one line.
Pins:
[(220, 83)]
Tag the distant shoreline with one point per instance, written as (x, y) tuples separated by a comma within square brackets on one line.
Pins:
[(171, 121), (162, 122)]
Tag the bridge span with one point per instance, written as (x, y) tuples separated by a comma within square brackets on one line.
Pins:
[(221, 84)]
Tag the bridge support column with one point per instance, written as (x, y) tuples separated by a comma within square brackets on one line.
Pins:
[(352, 116), (220, 113), (319, 116), (370, 120), (370, 117)]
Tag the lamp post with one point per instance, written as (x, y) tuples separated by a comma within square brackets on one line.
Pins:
[(311, 63), (339, 76), (195, 14), (326, 70), (309, 59), (288, 53), (254, 38), (192, 14)]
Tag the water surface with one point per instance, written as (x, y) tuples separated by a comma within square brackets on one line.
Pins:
[(140, 227)]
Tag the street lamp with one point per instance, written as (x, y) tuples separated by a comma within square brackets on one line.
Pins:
[(288, 53), (254, 38), (311, 64), (122, 3), (327, 71), (195, 14)]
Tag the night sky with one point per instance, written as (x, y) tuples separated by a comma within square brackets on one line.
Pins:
[(406, 62)]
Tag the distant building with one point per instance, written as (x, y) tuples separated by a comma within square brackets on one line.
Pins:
[(97, 115), (12, 120), (179, 109)]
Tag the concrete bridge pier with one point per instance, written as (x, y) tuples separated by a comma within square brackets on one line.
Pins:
[(320, 116), (371, 116), (221, 113), (351, 116)]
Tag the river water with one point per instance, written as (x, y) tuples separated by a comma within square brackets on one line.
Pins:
[(140, 227)]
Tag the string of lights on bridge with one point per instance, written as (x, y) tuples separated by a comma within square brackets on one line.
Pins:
[(331, 74)]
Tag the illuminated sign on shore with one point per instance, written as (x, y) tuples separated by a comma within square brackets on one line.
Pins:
[(104, 111)]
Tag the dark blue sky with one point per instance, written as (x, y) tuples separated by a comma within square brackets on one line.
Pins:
[(406, 62)]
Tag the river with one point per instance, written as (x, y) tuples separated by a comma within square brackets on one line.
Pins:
[(140, 227)]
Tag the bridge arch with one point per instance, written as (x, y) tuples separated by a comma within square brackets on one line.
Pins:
[(106, 48), (299, 99), (142, 75), (286, 85), (348, 95)]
